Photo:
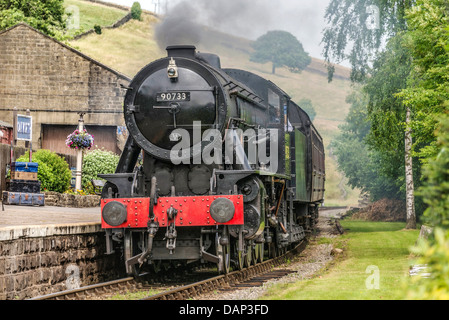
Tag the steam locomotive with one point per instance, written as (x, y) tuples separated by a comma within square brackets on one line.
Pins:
[(220, 167)]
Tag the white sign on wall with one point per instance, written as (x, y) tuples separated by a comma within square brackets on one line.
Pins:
[(24, 128)]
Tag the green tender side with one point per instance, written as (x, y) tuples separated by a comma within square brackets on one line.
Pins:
[(300, 163)]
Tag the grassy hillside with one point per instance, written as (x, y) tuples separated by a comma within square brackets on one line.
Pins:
[(92, 14), (132, 46)]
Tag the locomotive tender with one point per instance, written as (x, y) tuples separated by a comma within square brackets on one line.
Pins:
[(220, 167)]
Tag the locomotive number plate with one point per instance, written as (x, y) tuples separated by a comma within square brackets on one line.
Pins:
[(173, 96)]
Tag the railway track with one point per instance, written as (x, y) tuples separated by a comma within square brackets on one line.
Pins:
[(83, 293), (252, 276), (332, 208)]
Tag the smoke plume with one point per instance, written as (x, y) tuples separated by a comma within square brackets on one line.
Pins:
[(185, 21)]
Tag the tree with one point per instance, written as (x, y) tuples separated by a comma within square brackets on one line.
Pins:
[(365, 26), (282, 49), (426, 92), (434, 252), (46, 16), (364, 167), (436, 183), (136, 11), (391, 132)]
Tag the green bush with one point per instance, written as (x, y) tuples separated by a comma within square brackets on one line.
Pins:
[(53, 171), (136, 11), (435, 191), (435, 256), (97, 162), (97, 29), (434, 253)]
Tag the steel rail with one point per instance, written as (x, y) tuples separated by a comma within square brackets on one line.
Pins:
[(76, 294), (227, 280), (332, 208)]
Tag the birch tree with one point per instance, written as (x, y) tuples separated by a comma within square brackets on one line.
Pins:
[(410, 193), (357, 31), (391, 133)]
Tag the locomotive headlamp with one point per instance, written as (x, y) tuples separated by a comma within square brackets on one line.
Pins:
[(114, 213), (222, 210), (172, 70)]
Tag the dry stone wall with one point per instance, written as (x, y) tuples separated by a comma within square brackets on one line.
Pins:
[(40, 261), (71, 200)]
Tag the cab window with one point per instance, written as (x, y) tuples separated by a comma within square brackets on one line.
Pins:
[(274, 107)]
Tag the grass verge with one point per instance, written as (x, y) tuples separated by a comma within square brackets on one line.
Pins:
[(374, 266)]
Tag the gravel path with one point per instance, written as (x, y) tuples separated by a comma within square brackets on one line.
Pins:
[(314, 258)]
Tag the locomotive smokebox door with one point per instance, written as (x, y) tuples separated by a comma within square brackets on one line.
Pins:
[(177, 91)]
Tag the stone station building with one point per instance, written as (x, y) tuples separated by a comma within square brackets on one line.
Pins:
[(40, 247), (56, 83)]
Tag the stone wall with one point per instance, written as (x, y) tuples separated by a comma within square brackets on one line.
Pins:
[(37, 261), (71, 200), (118, 6), (55, 82), (117, 24)]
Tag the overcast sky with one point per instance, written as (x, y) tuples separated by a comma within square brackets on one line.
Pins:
[(252, 18)]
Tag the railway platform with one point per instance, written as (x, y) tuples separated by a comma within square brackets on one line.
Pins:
[(42, 248), (35, 221)]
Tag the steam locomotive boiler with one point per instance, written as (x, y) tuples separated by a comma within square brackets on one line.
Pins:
[(220, 167)]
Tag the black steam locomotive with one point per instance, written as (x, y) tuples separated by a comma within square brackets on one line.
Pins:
[(220, 167)]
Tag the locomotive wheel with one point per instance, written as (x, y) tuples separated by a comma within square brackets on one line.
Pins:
[(248, 254), (260, 248), (226, 258), (272, 250), (131, 249), (255, 254), (157, 266), (224, 253), (238, 256), (282, 251)]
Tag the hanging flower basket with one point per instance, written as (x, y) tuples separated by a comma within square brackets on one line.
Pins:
[(80, 140)]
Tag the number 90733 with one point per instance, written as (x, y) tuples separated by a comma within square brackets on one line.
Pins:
[(173, 96)]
